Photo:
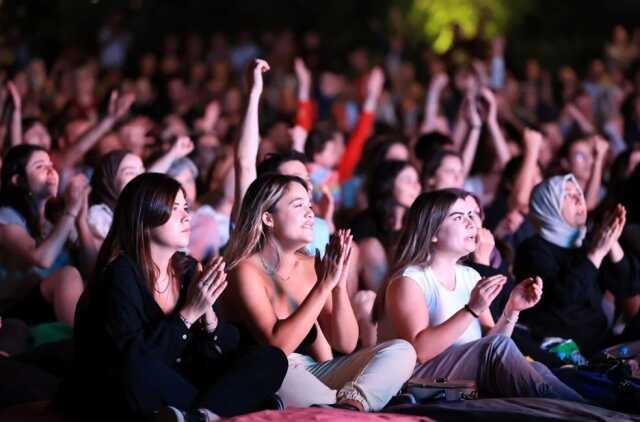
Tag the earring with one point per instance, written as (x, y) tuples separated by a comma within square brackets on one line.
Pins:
[(434, 239)]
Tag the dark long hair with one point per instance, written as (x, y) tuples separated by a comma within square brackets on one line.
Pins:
[(17, 195), (103, 181), (415, 245), (145, 203), (380, 194)]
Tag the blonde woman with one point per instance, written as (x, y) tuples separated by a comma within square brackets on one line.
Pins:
[(283, 297)]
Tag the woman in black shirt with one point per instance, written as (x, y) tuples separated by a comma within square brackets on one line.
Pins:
[(575, 276), (147, 335)]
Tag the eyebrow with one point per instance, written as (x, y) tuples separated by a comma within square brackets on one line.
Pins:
[(456, 213), (299, 198), (38, 162)]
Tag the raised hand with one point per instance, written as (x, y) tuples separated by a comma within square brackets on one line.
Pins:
[(303, 75), (326, 204), (532, 139), (182, 147), (375, 83), (256, 83), (608, 234), (525, 295), (490, 98), (471, 113), (331, 270), (15, 95), (485, 292), (600, 146), (204, 290), (75, 194), (119, 105), (484, 246), (439, 82)]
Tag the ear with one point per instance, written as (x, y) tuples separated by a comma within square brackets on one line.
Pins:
[(267, 219), (564, 163), (15, 180)]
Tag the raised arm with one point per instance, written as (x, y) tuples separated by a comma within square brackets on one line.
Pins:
[(180, 148), (592, 191), (119, 106), (246, 148), (523, 184), (358, 138), (432, 102), (304, 116), (497, 137), (468, 152), (16, 117)]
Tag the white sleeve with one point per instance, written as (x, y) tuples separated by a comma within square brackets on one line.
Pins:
[(99, 220)]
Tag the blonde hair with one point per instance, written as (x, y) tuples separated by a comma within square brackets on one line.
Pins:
[(250, 234)]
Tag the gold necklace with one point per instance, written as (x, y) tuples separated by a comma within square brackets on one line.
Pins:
[(165, 288)]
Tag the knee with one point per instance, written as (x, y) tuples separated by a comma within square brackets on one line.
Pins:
[(273, 362), (68, 278), (400, 351), (499, 346)]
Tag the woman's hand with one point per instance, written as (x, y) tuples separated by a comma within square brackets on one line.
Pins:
[(484, 246), (608, 234), (332, 269), (203, 293), (525, 295), (74, 196), (485, 292), (256, 83)]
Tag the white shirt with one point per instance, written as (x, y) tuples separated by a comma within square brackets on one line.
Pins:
[(441, 302)]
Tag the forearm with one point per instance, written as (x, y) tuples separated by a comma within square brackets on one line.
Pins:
[(16, 128), (344, 325), (505, 324), (499, 142), (432, 341), (460, 128), (287, 334), (72, 155), (46, 252), (162, 164), (246, 152), (469, 150), (430, 110), (593, 186), (523, 185), (87, 246)]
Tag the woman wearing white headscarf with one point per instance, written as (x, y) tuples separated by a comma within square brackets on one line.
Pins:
[(575, 273)]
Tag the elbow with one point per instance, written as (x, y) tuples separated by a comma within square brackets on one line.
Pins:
[(42, 262), (424, 356), (346, 347)]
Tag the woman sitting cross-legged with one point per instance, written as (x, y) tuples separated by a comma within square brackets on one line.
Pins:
[(147, 336), (442, 307), (282, 297)]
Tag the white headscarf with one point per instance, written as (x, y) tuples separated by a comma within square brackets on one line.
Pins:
[(545, 212)]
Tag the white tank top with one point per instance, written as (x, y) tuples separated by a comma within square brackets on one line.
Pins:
[(441, 302)]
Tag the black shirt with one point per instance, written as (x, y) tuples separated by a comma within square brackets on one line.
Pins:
[(571, 305), (118, 321)]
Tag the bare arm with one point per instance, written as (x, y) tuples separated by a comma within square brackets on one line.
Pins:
[(16, 117), (181, 148), (499, 142), (432, 102), (523, 184), (118, 107), (471, 146), (299, 132), (592, 191), (246, 149)]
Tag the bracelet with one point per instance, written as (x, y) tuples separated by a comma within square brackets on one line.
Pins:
[(511, 321), (471, 311)]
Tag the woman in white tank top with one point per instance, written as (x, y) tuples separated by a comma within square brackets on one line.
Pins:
[(442, 307)]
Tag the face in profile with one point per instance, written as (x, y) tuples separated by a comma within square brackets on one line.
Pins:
[(291, 220), (448, 175), (573, 207), (406, 187), (176, 232)]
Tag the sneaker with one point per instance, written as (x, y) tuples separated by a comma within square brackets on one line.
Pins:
[(172, 414)]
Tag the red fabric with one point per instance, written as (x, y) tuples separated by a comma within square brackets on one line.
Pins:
[(322, 414), (355, 146), (306, 115)]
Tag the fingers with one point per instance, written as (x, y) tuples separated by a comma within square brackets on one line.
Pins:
[(261, 66)]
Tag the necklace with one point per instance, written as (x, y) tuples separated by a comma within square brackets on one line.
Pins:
[(162, 291), (272, 271)]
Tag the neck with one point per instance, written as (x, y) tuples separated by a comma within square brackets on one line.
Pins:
[(161, 256), (40, 206), (279, 258), (398, 216), (443, 263)]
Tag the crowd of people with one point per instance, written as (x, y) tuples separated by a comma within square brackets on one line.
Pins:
[(207, 220)]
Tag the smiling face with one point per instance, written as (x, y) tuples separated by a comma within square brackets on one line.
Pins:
[(573, 207), (291, 220), (130, 166), (176, 232), (457, 233), (406, 187), (42, 177)]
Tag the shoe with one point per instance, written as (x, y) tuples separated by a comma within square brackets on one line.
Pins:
[(172, 414), (274, 403)]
